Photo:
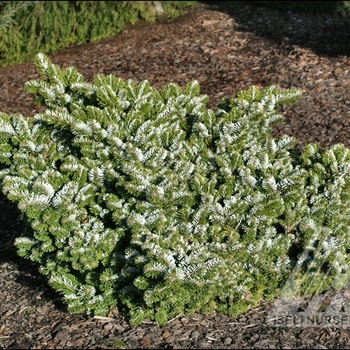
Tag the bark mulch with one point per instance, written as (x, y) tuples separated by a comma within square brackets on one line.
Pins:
[(227, 46)]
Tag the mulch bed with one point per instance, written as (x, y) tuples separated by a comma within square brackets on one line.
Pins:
[(227, 46)]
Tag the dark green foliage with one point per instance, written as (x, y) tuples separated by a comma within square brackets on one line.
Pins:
[(28, 27), (9, 8), (145, 200)]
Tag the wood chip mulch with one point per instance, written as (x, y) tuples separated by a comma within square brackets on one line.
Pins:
[(227, 46)]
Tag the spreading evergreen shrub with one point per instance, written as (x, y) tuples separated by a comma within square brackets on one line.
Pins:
[(148, 201)]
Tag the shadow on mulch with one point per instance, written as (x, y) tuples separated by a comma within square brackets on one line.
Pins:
[(327, 34), (11, 227)]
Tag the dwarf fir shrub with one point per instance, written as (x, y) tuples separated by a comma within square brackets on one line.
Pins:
[(148, 201)]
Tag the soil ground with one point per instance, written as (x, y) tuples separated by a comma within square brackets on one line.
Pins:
[(227, 46)]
